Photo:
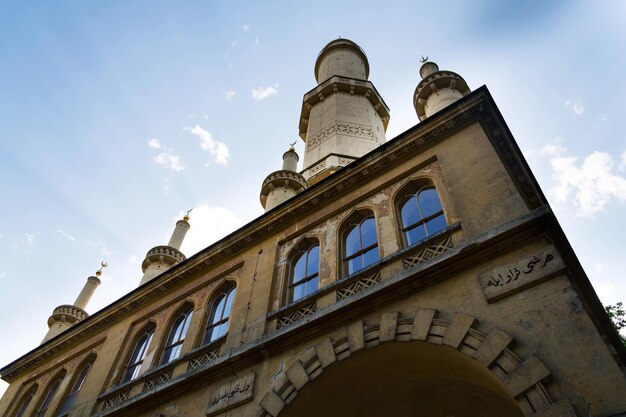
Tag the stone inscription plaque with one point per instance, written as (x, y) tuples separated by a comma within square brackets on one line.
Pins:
[(521, 273), (231, 395)]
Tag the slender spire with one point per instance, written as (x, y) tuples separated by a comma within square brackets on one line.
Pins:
[(281, 185), (437, 89), (65, 316), (161, 258)]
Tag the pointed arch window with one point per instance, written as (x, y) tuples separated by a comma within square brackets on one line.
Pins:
[(176, 337), (219, 313), (20, 411), (77, 385), (138, 354), (53, 387), (360, 243), (304, 271), (421, 213)]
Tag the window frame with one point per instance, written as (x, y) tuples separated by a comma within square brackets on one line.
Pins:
[(223, 292), (148, 330), (303, 248), (47, 399), (72, 391), (406, 193), (169, 344), (353, 221), (24, 402)]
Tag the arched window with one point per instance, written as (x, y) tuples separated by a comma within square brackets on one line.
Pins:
[(49, 394), (219, 313), (176, 337), (360, 243), (20, 411), (421, 213), (139, 354), (77, 385), (304, 271)]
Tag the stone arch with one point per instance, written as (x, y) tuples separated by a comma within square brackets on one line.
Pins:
[(523, 379)]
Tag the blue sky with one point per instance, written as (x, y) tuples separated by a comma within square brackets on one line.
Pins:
[(117, 116)]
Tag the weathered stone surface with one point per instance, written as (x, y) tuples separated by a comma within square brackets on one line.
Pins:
[(388, 323), (459, 325), (325, 352), (356, 339), (272, 403), (492, 346), (527, 374), (562, 408), (231, 394), (297, 375), (421, 323)]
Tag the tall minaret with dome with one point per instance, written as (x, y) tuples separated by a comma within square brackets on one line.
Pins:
[(65, 316), (161, 258), (344, 117), (437, 89)]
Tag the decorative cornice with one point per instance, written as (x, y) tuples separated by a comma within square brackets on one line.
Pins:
[(440, 80), (162, 254), (337, 84), (476, 107), (282, 178), (67, 314)]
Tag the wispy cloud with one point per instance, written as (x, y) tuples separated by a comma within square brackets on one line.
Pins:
[(217, 150), (576, 106), (132, 260), (3, 274), (154, 143), (65, 234), (257, 41), (30, 238), (167, 186), (208, 224), (589, 184), (170, 161), (230, 95), (245, 28), (262, 93)]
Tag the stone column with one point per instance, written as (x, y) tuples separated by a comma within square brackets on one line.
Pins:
[(88, 290)]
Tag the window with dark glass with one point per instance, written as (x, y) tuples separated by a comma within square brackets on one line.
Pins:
[(360, 244), (139, 354), (20, 411), (176, 337), (219, 314), (76, 386), (53, 387), (304, 272), (422, 214)]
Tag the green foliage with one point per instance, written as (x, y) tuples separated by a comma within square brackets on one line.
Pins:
[(617, 314)]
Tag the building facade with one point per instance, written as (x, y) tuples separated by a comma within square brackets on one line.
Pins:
[(422, 275)]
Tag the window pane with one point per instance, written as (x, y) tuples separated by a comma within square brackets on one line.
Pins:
[(435, 225), (186, 325), (415, 235), (299, 269), (229, 303), (49, 396), (352, 241), (355, 264), (298, 292), (222, 329), (311, 285), (368, 232), (370, 256), (429, 202), (176, 331), (216, 314), (25, 402), (215, 333), (410, 213), (313, 262)]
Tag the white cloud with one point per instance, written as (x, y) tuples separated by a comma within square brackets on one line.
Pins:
[(219, 151), (170, 161), (590, 185), (262, 93), (154, 143), (230, 95), (622, 165), (245, 28), (30, 238), (576, 106), (257, 41), (65, 234), (234, 43), (167, 186), (208, 225), (132, 260), (3, 274)]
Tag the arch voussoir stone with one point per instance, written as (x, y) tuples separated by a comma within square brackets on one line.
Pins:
[(491, 350)]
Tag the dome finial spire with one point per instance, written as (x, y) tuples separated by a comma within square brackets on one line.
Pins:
[(103, 264), (186, 216)]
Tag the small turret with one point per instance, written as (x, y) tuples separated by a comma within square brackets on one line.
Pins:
[(437, 89), (280, 186), (161, 258), (65, 316)]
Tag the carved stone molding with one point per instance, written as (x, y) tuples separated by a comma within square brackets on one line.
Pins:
[(352, 130)]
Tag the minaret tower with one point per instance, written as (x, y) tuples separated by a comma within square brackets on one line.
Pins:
[(437, 90), (161, 258), (344, 117), (65, 316), (281, 185)]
